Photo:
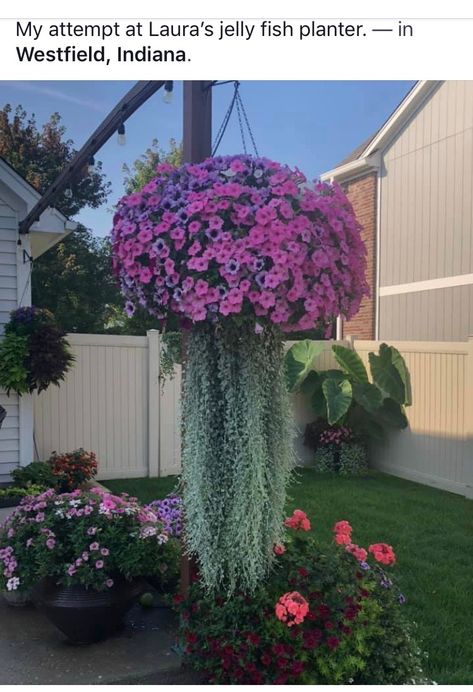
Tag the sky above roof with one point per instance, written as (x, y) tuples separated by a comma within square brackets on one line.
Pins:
[(312, 125)]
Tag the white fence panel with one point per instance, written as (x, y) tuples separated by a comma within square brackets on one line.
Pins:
[(111, 403), (437, 447)]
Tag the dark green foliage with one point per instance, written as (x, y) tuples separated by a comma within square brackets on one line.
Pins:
[(74, 280), (346, 459), (48, 358), (353, 459), (355, 632), (36, 473), (324, 460), (34, 352), (13, 355), (19, 492), (170, 354)]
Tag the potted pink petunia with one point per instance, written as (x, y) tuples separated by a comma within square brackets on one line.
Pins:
[(82, 554)]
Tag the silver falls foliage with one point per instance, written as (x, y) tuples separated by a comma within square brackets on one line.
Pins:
[(237, 452)]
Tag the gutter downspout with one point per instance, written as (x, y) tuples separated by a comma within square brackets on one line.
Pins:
[(378, 249)]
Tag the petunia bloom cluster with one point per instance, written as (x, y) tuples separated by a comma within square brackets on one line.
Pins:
[(239, 236), (170, 512), (82, 537)]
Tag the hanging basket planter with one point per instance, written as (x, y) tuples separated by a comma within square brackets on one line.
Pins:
[(34, 352), (243, 251)]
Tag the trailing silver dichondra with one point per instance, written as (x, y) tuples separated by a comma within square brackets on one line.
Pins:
[(237, 452)]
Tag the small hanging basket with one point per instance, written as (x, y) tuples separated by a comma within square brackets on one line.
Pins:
[(34, 352)]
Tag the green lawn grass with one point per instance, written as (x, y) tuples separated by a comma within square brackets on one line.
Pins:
[(431, 532)]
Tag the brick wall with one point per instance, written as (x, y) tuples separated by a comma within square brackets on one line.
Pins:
[(362, 194)]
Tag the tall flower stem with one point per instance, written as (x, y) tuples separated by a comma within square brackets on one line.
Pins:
[(237, 452)]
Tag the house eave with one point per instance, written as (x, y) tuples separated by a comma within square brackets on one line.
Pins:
[(353, 169), (44, 236), (410, 104)]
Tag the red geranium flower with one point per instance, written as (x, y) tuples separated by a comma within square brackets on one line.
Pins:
[(298, 520), (291, 608), (382, 553)]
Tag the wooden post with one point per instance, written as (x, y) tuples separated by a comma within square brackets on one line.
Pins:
[(197, 125), (197, 146)]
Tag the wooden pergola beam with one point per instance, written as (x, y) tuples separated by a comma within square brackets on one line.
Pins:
[(135, 97)]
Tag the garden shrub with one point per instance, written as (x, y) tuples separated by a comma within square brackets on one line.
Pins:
[(324, 460), (37, 473), (324, 617), (336, 449), (353, 459), (19, 492), (63, 472), (72, 469)]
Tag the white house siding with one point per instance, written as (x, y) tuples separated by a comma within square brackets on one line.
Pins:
[(426, 219), (9, 433)]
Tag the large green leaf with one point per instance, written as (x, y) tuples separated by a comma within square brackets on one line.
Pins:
[(350, 362), (299, 361), (359, 420), (386, 377), (338, 396), (368, 396), (400, 365), (311, 383), (336, 375), (391, 414), (317, 398)]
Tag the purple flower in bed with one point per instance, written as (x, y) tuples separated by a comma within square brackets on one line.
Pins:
[(169, 511)]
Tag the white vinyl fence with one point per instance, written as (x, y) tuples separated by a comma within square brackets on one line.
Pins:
[(113, 404)]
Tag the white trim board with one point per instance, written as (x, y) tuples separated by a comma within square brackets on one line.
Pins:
[(428, 285)]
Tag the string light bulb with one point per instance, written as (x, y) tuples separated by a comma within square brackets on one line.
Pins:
[(168, 92), (121, 139), (68, 193), (90, 166)]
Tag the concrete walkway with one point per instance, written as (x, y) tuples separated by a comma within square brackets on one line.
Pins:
[(33, 651)]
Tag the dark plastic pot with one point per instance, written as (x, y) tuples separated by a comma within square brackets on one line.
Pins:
[(9, 501), (85, 615)]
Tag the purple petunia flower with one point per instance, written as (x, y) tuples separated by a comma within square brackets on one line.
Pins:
[(169, 511)]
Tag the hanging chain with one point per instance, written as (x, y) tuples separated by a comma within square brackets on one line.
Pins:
[(248, 127), (242, 121), (242, 132), (226, 120)]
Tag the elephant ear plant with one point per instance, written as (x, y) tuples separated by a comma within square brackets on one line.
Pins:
[(346, 396), (241, 251)]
